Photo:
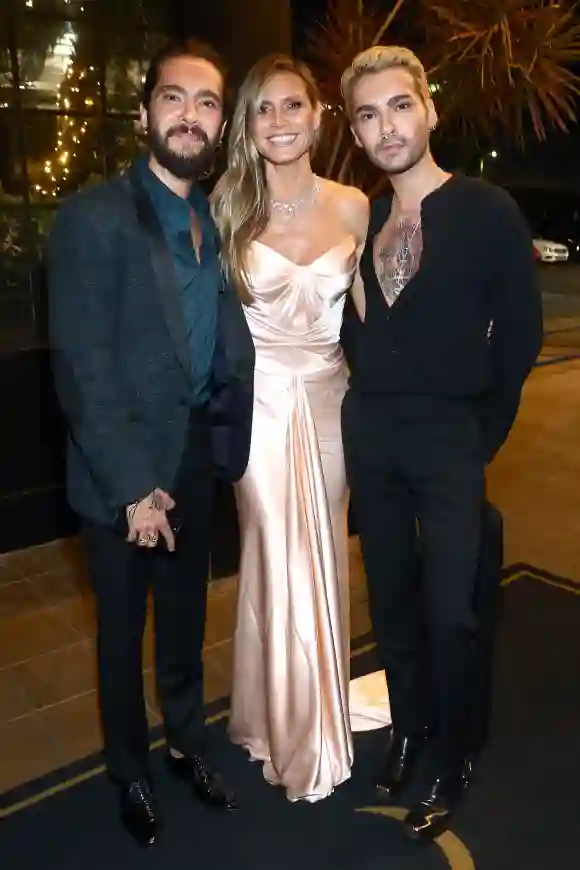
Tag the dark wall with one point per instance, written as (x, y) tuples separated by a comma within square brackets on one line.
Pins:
[(243, 32), (33, 508)]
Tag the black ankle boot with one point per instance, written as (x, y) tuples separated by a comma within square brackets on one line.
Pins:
[(398, 764)]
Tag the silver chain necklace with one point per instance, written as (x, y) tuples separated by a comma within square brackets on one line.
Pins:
[(289, 209)]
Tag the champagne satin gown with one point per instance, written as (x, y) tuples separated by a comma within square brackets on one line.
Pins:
[(290, 705)]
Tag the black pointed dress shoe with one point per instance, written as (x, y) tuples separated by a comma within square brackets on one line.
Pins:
[(138, 811), (431, 816), (209, 786), (398, 764)]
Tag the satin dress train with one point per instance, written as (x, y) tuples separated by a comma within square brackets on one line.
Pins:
[(290, 694)]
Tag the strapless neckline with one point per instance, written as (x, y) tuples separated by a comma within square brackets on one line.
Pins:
[(350, 239)]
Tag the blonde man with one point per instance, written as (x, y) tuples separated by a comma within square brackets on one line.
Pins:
[(432, 397)]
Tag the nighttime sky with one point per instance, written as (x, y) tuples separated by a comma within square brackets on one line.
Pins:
[(307, 11), (555, 161)]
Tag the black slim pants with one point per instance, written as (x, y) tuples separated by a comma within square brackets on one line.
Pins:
[(121, 575), (486, 604), (416, 471)]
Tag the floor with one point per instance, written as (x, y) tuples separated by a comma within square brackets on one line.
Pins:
[(48, 707)]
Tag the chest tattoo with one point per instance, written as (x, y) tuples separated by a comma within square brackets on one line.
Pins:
[(397, 253)]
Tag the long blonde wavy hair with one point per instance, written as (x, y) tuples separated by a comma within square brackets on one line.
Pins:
[(239, 200)]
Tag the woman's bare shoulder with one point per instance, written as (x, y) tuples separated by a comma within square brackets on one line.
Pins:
[(352, 203)]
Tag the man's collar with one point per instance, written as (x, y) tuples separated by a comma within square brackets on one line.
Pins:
[(196, 198)]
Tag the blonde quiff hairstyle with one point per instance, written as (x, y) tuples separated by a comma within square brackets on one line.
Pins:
[(239, 202), (378, 59)]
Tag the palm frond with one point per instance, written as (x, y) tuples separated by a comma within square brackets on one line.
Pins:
[(496, 64), (503, 60)]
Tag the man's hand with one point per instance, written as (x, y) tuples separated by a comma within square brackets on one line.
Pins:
[(147, 519)]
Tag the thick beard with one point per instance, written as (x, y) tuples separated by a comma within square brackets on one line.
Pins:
[(187, 167)]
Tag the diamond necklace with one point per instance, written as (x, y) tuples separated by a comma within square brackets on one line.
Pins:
[(289, 209)]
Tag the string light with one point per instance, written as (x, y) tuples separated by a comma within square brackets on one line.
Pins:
[(77, 92), (69, 133)]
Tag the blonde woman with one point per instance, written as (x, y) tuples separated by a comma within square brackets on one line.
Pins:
[(291, 242)]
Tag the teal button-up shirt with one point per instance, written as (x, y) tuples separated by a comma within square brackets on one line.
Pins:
[(199, 283)]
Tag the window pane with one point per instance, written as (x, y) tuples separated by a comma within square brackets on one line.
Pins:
[(128, 56), (52, 55), (23, 233), (79, 89), (63, 153), (12, 182), (40, 132), (6, 92), (138, 13), (122, 143), (64, 8), (126, 15)]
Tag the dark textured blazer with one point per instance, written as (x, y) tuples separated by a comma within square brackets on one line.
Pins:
[(120, 354)]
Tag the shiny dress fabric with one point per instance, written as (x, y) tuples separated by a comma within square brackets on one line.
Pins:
[(290, 705)]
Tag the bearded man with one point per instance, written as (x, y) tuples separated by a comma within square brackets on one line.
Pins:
[(153, 365)]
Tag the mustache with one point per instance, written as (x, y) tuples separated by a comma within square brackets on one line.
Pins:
[(193, 129), (387, 141)]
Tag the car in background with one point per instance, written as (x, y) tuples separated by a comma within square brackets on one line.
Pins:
[(553, 216), (564, 237), (551, 252)]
